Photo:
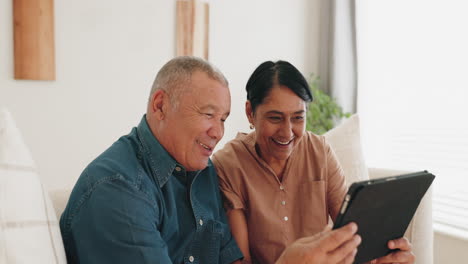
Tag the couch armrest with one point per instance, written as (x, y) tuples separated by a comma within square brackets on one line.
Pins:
[(375, 173), (59, 199), (420, 231)]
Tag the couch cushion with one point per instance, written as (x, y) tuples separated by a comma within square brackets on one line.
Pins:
[(345, 140), (29, 231), (59, 198)]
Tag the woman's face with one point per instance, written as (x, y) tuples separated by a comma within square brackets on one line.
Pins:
[(279, 123)]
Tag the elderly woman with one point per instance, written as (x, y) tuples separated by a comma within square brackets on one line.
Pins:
[(280, 182)]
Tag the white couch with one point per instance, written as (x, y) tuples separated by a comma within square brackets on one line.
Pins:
[(29, 231)]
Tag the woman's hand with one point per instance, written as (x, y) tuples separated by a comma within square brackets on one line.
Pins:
[(403, 255)]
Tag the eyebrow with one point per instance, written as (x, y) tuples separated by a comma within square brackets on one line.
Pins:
[(281, 113)]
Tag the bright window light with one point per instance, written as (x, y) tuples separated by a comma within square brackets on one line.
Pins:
[(413, 95)]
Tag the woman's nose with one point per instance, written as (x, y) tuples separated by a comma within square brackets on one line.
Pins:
[(286, 130)]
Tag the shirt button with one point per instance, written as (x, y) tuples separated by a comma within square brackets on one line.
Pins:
[(281, 187), (177, 168), (201, 222), (283, 202), (191, 258), (286, 218)]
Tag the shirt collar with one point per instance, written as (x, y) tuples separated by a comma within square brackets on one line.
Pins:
[(162, 164), (249, 142)]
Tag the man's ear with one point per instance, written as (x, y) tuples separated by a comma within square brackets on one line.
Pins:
[(249, 112), (159, 104)]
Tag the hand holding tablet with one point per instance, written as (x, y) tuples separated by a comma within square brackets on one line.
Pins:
[(382, 209)]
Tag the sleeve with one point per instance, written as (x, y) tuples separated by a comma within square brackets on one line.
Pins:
[(230, 251), (336, 184), (230, 189), (117, 225)]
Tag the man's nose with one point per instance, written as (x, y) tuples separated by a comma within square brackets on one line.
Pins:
[(216, 131)]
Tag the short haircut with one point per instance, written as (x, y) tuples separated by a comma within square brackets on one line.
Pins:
[(270, 74), (174, 77)]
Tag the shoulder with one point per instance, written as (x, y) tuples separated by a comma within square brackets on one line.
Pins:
[(312, 149), (313, 143), (117, 170), (314, 138), (234, 151), (123, 157)]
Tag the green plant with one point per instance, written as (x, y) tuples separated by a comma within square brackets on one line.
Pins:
[(324, 111)]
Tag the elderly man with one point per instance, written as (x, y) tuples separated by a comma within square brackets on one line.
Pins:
[(153, 196)]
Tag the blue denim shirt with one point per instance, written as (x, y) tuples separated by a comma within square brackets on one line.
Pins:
[(136, 204)]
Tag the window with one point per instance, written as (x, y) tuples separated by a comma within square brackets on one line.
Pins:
[(413, 96)]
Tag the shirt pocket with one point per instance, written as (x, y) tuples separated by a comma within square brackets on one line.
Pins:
[(210, 237), (311, 206)]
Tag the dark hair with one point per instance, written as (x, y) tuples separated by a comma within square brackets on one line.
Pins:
[(269, 74)]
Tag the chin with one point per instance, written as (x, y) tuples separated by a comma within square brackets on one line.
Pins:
[(199, 166)]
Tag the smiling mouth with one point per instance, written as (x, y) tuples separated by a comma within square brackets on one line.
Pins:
[(204, 146), (283, 143)]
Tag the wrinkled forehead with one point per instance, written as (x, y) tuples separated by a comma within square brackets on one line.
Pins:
[(209, 93), (199, 77)]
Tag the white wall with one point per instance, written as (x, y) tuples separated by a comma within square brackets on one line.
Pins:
[(449, 249), (107, 54), (245, 33)]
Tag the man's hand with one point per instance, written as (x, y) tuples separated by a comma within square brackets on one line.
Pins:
[(327, 247), (403, 255)]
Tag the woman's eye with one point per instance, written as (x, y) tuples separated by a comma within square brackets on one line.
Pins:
[(298, 119), (274, 118)]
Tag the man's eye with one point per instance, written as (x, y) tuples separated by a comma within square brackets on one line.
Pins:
[(299, 117), (209, 115)]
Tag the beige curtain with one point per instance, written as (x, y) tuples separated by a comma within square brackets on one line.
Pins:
[(338, 62)]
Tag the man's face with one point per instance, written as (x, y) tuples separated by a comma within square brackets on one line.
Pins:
[(196, 125)]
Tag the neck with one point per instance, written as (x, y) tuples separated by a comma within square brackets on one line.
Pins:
[(276, 165), (278, 168), (156, 131)]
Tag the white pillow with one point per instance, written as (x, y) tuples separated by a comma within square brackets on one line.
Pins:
[(346, 142), (29, 231)]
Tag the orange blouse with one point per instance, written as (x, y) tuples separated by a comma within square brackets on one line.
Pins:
[(280, 212)]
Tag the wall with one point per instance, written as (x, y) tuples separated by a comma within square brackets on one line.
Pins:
[(107, 54), (449, 249)]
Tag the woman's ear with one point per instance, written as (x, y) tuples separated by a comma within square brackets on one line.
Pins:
[(249, 112)]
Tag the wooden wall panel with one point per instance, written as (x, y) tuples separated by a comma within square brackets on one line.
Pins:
[(192, 24), (34, 45), (207, 30)]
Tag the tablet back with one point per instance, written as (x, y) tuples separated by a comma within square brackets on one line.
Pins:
[(383, 209)]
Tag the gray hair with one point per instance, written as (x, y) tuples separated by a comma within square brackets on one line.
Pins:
[(174, 76)]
